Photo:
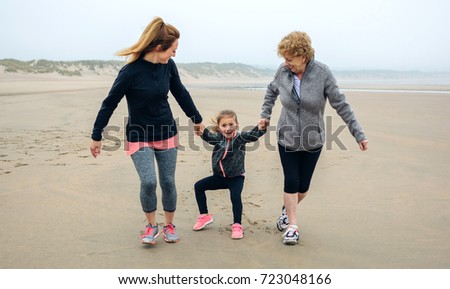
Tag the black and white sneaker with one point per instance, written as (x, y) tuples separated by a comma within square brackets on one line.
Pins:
[(283, 220), (291, 236)]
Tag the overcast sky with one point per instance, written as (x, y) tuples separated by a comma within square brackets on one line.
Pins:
[(346, 34)]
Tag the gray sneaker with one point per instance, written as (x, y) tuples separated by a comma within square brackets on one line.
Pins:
[(170, 236), (283, 220), (291, 236), (150, 234)]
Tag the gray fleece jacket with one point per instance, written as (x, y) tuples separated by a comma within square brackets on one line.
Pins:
[(301, 125)]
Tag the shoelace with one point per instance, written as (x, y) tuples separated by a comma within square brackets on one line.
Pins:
[(170, 229), (290, 233), (201, 218), (237, 228), (148, 231)]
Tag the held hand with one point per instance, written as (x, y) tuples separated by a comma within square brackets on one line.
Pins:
[(95, 148), (364, 145), (199, 128), (263, 123)]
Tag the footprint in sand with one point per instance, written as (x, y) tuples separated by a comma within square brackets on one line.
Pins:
[(252, 204)]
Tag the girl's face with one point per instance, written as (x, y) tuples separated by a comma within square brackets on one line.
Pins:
[(228, 126), (164, 56)]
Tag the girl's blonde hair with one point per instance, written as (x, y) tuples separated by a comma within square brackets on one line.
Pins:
[(295, 44), (156, 33), (220, 115)]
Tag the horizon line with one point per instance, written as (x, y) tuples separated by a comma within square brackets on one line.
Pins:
[(261, 66)]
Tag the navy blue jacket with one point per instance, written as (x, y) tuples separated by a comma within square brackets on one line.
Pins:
[(146, 86)]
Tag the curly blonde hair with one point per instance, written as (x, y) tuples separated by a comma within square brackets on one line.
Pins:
[(295, 44), (224, 113)]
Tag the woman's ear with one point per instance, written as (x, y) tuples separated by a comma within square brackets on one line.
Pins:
[(159, 48)]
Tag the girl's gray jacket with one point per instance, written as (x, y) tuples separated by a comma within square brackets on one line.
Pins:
[(228, 155), (301, 125)]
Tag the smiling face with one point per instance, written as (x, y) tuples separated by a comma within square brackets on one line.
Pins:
[(228, 126), (297, 64), (164, 56)]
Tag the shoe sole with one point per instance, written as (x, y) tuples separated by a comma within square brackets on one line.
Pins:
[(290, 242), (170, 241), (207, 223), (152, 242)]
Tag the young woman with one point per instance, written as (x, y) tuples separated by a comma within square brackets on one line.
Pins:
[(151, 130)]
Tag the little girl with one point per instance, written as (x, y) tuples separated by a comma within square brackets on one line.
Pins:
[(228, 167)]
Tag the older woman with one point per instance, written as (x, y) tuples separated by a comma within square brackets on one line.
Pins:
[(303, 85)]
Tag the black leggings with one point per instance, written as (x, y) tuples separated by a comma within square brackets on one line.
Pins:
[(298, 168), (234, 184)]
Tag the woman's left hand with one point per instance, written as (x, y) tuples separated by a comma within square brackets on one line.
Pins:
[(364, 145), (199, 128), (263, 123)]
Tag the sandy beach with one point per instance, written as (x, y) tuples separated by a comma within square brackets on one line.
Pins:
[(388, 207)]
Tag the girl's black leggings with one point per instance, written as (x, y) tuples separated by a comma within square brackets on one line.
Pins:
[(234, 184)]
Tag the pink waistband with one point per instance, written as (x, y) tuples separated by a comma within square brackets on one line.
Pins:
[(165, 144)]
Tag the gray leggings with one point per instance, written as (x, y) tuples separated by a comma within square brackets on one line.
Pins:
[(145, 166)]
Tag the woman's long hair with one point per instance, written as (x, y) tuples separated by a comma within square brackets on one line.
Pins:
[(156, 33)]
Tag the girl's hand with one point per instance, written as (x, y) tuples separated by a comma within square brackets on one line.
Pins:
[(95, 148)]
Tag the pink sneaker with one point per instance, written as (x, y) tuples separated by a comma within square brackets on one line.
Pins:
[(170, 236), (237, 231), (202, 221), (150, 234)]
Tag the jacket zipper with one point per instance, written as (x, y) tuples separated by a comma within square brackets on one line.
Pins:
[(224, 155), (308, 67)]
